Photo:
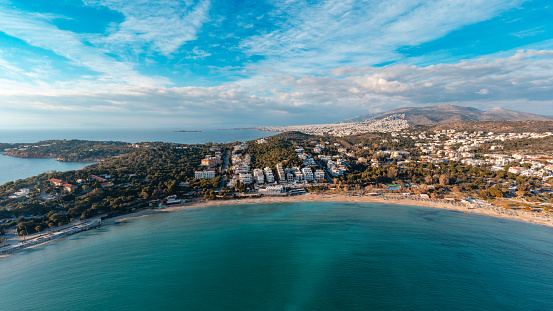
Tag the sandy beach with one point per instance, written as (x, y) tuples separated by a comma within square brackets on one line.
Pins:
[(489, 210), (494, 211)]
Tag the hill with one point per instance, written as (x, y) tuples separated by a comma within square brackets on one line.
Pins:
[(440, 114), (495, 126)]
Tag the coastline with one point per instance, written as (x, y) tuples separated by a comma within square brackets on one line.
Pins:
[(492, 211)]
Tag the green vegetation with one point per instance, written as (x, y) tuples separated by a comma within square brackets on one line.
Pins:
[(146, 173), (68, 150), (150, 172), (494, 126), (278, 149), (526, 145)]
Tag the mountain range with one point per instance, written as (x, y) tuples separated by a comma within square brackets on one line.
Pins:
[(440, 114)]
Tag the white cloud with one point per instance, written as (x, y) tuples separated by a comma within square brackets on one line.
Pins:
[(198, 54), (38, 32), (332, 33), (520, 82), (162, 26)]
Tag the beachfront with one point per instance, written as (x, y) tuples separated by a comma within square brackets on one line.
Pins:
[(39, 239), (476, 207)]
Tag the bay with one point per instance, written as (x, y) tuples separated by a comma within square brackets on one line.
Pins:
[(12, 169), (293, 256)]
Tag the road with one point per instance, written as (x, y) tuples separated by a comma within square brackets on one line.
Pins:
[(327, 175), (224, 168)]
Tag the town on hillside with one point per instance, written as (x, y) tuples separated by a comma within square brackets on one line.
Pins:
[(322, 163), (510, 172)]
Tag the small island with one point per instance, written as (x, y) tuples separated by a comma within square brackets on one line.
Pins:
[(182, 131)]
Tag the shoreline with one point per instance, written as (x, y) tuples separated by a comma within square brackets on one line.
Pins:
[(493, 211), (95, 160)]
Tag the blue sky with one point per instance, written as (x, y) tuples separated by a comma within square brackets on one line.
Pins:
[(202, 63)]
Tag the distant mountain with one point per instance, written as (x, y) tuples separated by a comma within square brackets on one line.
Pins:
[(360, 118), (450, 113)]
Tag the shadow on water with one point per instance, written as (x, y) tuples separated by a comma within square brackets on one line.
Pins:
[(426, 215), (76, 238)]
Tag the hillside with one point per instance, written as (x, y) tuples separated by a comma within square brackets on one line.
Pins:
[(496, 126), (441, 114)]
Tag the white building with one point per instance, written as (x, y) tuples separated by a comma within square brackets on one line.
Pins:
[(242, 146), (319, 175), (280, 172), (335, 171), (289, 177), (258, 176), (309, 161), (245, 178), (272, 190), (298, 174), (204, 174), (307, 173), (269, 175)]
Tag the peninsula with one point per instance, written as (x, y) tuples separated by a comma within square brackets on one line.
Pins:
[(498, 168)]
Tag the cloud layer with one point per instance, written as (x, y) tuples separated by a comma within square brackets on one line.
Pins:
[(484, 83), (282, 62)]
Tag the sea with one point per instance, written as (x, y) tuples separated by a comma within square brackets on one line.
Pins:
[(134, 135), (12, 169), (290, 256)]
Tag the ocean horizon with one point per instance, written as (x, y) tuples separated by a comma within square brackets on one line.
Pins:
[(194, 136)]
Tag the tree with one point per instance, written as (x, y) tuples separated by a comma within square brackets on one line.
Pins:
[(144, 194), (444, 180), (521, 193), (392, 172), (428, 179), (496, 192), (172, 186), (423, 189)]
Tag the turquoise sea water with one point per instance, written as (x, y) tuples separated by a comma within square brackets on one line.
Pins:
[(294, 256)]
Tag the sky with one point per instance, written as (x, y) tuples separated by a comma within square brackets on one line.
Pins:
[(227, 63)]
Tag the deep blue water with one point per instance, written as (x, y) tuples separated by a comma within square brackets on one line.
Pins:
[(295, 256)]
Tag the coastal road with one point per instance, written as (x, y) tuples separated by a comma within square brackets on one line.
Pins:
[(225, 162), (327, 175), (224, 168)]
